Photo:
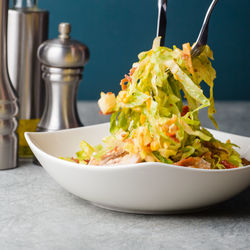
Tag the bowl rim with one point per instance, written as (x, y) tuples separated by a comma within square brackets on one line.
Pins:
[(124, 166), (107, 123)]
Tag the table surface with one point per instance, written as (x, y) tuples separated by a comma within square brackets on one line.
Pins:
[(36, 213)]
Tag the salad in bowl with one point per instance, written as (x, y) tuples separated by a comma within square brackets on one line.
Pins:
[(154, 118)]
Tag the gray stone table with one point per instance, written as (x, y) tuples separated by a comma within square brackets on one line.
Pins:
[(36, 213)]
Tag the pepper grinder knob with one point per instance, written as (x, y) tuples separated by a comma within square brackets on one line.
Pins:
[(64, 30)]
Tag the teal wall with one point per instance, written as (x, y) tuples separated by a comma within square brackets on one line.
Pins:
[(117, 30)]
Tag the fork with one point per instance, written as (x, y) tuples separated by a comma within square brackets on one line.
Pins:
[(162, 20), (201, 41)]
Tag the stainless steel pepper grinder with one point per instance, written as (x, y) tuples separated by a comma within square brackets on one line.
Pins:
[(8, 101), (62, 62)]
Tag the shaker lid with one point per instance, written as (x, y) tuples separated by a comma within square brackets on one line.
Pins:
[(63, 52)]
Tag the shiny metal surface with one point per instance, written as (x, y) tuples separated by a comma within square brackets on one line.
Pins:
[(27, 29), (162, 20), (60, 110), (8, 101), (201, 41), (63, 60), (64, 30), (63, 52)]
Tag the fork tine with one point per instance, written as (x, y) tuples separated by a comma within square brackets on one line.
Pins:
[(203, 35)]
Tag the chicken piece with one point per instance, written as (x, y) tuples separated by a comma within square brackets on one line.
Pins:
[(125, 159), (111, 155), (195, 162), (116, 156), (107, 103)]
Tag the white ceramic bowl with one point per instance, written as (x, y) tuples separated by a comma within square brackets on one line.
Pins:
[(140, 188)]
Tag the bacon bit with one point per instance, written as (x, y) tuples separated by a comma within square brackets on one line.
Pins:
[(124, 80), (171, 131), (228, 164), (173, 137), (122, 83), (132, 70), (124, 86), (128, 78), (245, 162), (75, 160), (171, 134), (185, 109)]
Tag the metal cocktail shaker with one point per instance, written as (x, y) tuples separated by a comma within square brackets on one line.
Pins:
[(27, 29), (8, 101), (62, 61)]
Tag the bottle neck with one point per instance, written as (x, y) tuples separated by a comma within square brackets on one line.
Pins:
[(30, 4)]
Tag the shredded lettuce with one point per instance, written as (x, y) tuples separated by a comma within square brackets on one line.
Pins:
[(156, 113)]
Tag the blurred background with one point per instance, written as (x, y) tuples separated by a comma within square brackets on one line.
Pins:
[(116, 31)]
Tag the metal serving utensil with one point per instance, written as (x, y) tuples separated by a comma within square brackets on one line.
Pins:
[(201, 41), (162, 20)]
